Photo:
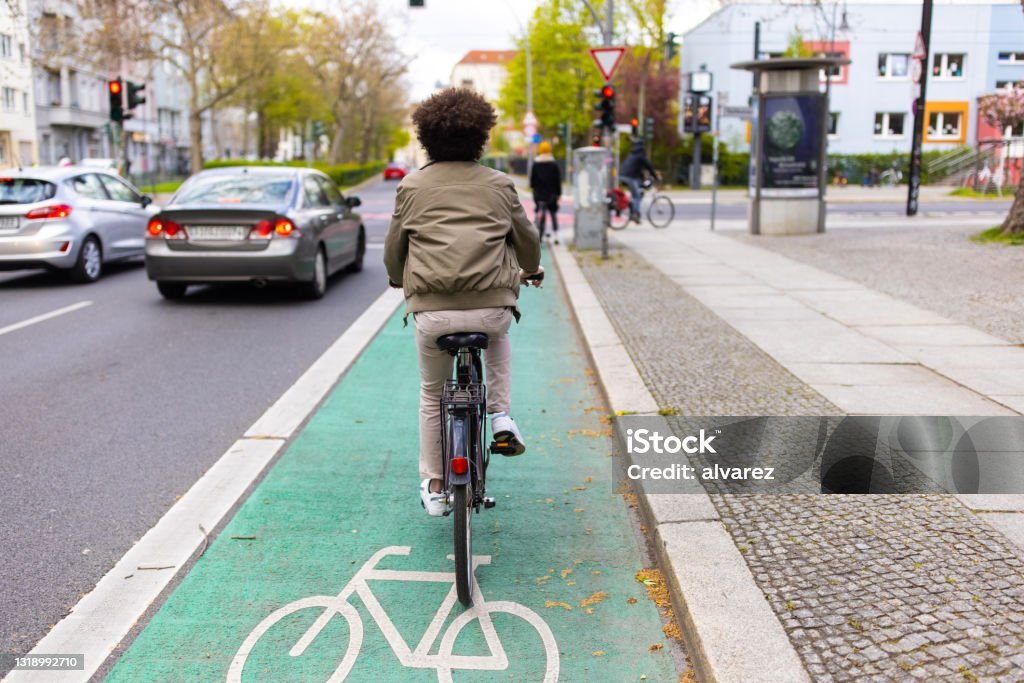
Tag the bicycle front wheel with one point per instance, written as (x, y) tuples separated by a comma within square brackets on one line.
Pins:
[(462, 500), (661, 211)]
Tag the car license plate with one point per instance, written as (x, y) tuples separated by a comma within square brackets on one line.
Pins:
[(8, 222), (218, 232)]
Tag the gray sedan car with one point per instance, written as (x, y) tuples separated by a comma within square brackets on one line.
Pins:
[(72, 219), (256, 224)]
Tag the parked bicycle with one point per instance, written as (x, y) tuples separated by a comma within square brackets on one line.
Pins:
[(659, 208), (463, 434), (422, 657)]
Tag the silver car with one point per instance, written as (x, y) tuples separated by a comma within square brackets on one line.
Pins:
[(72, 219), (257, 224)]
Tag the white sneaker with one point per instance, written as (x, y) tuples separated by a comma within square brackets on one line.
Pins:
[(432, 501), (504, 429)]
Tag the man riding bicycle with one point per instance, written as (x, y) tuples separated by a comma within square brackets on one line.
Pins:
[(632, 172), (460, 245)]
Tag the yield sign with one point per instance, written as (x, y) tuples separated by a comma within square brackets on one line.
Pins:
[(607, 59)]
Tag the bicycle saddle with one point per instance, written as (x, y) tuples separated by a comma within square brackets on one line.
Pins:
[(462, 340)]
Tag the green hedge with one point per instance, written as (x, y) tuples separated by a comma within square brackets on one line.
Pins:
[(344, 175)]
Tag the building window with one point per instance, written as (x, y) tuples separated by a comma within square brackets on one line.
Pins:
[(6, 46), (1009, 85), (889, 124), (833, 123), (53, 87), (8, 97), (1014, 131), (24, 102), (948, 65), (945, 125), (467, 82), (1011, 58), (832, 72), (22, 52), (893, 65)]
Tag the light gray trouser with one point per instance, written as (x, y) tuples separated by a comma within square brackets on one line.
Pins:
[(436, 367)]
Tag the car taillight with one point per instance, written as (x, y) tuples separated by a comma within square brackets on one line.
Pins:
[(460, 465), (168, 228), (284, 227), (55, 211), (263, 230)]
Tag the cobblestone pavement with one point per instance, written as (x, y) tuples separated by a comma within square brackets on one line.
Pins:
[(935, 267), (886, 588)]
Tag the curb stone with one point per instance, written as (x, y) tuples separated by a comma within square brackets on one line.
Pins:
[(731, 633)]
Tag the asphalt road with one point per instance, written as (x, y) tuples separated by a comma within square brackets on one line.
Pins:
[(111, 411)]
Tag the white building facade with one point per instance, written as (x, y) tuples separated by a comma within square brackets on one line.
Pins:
[(17, 110), (872, 98)]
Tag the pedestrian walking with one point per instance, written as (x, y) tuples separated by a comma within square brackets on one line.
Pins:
[(546, 183)]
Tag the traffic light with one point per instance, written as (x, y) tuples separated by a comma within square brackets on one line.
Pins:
[(606, 105), (563, 131), (415, 3), (116, 100), (671, 49), (134, 98), (318, 129), (634, 125), (689, 107), (649, 128)]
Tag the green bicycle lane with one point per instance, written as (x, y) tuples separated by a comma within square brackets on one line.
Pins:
[(560, 545)]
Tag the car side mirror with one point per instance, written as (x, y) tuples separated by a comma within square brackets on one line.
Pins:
[(146, 200), (353, 202)]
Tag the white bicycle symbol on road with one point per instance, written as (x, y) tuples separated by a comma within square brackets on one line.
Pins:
[(445, 661)]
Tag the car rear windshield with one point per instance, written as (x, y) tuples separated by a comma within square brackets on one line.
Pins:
[(25, 190), (241, 188)]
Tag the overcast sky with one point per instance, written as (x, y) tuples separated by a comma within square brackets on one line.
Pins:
[(439, 34)]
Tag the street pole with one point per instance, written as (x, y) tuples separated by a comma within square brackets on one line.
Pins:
[(914, 181), (714, 157), (529, 101), (606, 135)]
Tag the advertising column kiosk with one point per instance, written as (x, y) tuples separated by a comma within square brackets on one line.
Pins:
[(788, 145)]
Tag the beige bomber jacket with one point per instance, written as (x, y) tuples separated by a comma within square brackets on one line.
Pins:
[(458, 238)]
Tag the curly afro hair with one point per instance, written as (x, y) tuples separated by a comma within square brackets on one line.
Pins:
[(454, 125)]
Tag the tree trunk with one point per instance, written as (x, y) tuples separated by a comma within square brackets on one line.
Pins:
[(1014, 223), (195, 134), (339, 133), (364, 153)]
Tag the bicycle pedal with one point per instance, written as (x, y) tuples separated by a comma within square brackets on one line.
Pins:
[(503, 447), (489, 502)]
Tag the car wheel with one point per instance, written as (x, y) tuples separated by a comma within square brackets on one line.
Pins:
[(172, 290), (357, 265), (316, 288), (89, 265)]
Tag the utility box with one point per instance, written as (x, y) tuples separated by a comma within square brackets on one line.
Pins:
[(788, 146), (591, 166)]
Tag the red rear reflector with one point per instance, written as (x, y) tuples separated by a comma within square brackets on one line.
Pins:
[(284, 227), (55, 211), (64, 247), (460, 465)]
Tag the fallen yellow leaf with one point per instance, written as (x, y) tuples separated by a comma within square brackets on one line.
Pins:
[(655, 647), (599, 653), (566, 572), (631, 601), (593, 599), (542, 579), (578, 510), (557, 604)]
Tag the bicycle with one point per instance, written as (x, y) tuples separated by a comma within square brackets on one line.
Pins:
[(443, 662), (660, 209), (463, 430)]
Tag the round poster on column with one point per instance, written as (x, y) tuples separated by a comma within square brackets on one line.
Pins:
[(792, 145)]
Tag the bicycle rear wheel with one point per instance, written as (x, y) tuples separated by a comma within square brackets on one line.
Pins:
[(661, 211), (618, 219), (462, 502)]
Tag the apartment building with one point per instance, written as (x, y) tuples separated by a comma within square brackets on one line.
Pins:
[(17, 113)]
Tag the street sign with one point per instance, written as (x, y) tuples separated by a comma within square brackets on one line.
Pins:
[(607, 59), (919, 51), (529, 131), (530, 119), (536, 138), (744, 113), (916, 68)]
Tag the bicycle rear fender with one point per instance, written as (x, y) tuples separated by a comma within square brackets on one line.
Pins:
[(460, 449)]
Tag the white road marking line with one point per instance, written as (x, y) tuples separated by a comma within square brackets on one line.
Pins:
[(44, 316), (104, 617)]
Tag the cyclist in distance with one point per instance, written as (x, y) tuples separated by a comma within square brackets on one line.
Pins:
[(546, 183), (459, 245), (632, 172)]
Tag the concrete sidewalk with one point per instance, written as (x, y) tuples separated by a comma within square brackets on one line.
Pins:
[(897, 587)]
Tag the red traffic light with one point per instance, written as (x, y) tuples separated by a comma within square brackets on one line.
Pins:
[(608, 91), (115, 87), (634, 122)]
